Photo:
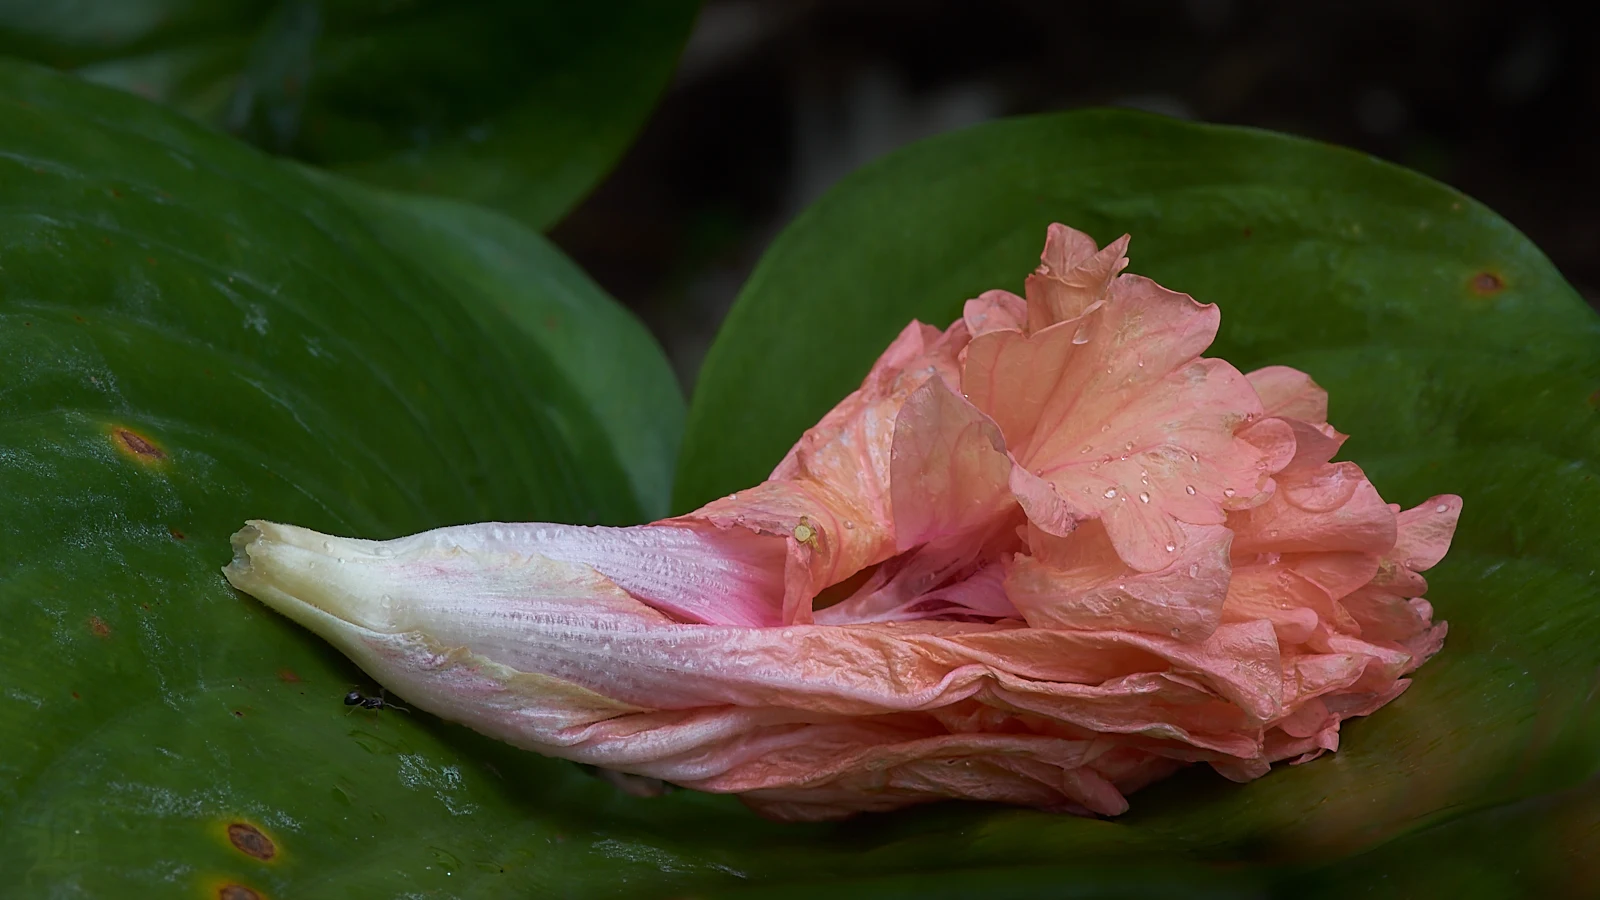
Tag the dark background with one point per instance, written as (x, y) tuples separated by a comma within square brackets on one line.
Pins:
[(776, 99)]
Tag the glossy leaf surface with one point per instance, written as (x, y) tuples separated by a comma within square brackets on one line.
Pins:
[(193, 334)]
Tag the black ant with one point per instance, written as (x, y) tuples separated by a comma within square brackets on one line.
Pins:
[(356, 698)]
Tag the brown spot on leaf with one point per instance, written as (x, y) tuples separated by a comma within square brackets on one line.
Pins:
[(150, 260), (237, 892), (80, 319), (177, 535), (288, 676), (249, 840), (116, 193), (99, 627), (137, 445), (1487, 283), (1249, 231), (1594, 399), (237, 714), (76, 696)]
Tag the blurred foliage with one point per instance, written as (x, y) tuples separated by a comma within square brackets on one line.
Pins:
[(522, 105)]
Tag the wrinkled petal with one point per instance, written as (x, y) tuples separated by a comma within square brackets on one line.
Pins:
[(1112, 415), (1072, 276), (1080, 582)]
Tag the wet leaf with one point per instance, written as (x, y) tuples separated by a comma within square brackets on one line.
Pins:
[(192, 334)]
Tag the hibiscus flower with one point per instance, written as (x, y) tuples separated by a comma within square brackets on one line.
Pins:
[(1045, 556)]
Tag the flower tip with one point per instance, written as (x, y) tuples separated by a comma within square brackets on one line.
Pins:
[(300, 573)]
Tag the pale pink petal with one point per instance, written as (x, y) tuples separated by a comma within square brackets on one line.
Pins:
[(1072, 276), (1425, 532), (995, 311), (1363, 524), (1290, 394), (948, 468), (1118, 419), (1082, 583)]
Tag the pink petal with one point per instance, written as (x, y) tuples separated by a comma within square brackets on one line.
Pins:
[(948, 468), (1425, 532), (1072, 277), (1290, 394), (995, 311), (1084, 584), (1363, 524)]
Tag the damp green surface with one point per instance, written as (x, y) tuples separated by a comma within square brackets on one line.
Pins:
[(193, 334)]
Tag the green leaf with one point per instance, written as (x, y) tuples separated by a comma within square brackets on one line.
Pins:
[(1454, 353), (523, 105), (193, 334)]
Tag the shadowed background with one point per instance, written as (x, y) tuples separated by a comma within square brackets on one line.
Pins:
[(774, 101)]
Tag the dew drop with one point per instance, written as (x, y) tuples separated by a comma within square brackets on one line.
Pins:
[(1171, 547), (1141, 363), (1194, 457), (1094, 466), (1110, 492), (1082, 337), (1194, 570), (327, 546), (1228, 492), (1086, 448), (1442, 508), (849, 525), (1105, 428), (1189, 489), (733, 496), (1144, 496), (1174, 632), (1128, 446)]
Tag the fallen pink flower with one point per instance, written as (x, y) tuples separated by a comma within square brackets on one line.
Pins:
[(1044, 557)]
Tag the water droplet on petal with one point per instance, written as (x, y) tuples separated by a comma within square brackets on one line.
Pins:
[(849, 525), (1141, 363), (1128, 446), (1228, 492), (1189, 489), (1105, 428), (1144, 496), (733, 496), (1082, 337), (1442, 508), (1194, 570), (1110, 492), (1175, 632), (1193, 457), (1171, 547)]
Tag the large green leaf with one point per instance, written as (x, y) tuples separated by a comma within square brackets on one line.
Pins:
[(1455, 354), (191, 334), (519, 104)]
